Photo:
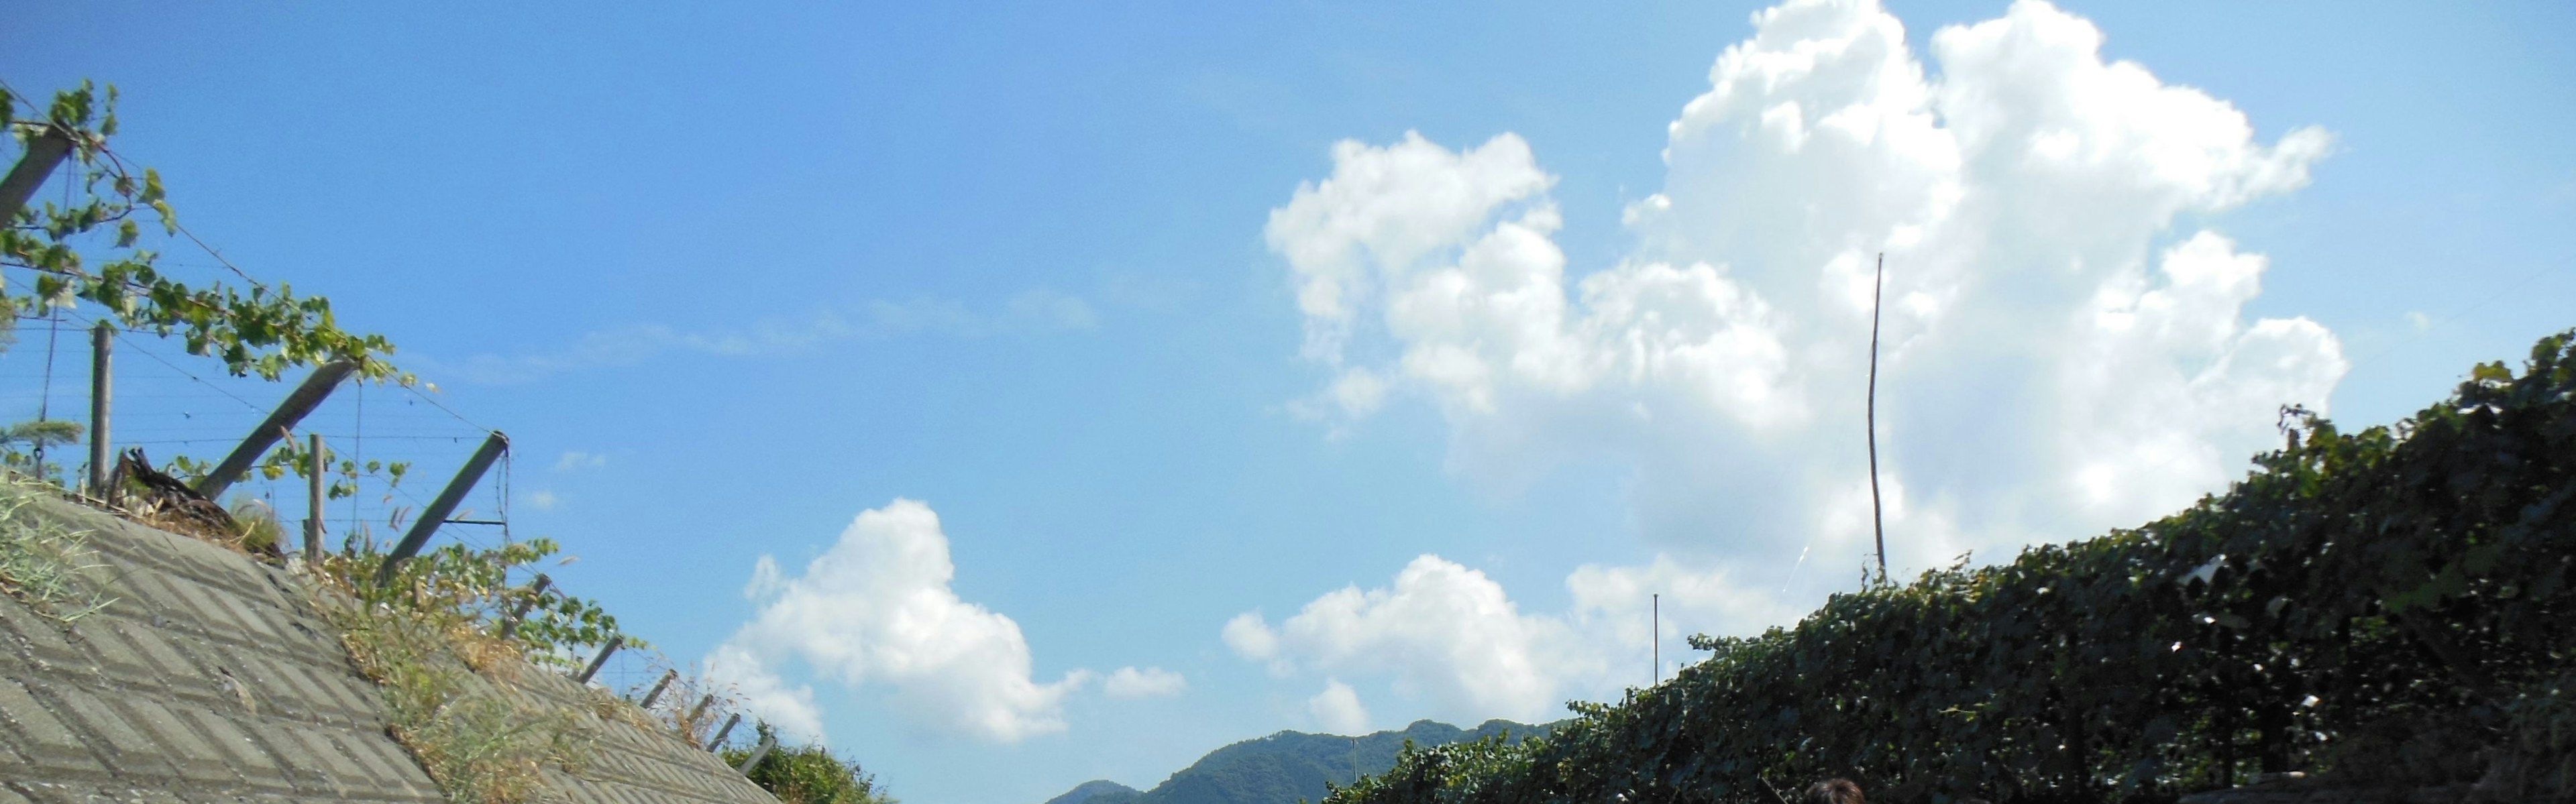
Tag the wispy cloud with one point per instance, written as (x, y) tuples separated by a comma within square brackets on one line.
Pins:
[(1032, 311), (574, 460)]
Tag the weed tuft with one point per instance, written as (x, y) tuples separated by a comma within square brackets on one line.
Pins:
[(42, 561)]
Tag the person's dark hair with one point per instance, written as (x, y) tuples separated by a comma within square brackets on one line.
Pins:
[(1833, 791)]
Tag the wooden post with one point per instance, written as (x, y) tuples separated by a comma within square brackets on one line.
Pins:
[(317, 386), (753, 761), (667, 677), (718, 740), (600, 660), (436, 514), (700, 709), (101, 454), (510, 625), (314, 464), (45, 151)]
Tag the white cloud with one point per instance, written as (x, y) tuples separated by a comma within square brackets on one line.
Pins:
[(1337, 709), (2066, 347), (2059, 357), (1452, 641), (1150, 682), (1446, 633), (748, 679), (876, 610), (543, 500), (1251, 637), (574, 460)]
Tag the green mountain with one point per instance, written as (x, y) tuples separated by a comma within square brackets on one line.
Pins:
[(1095, 788), (1287, 767)]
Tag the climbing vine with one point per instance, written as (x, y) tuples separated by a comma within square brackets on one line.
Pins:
[(2395, 605)]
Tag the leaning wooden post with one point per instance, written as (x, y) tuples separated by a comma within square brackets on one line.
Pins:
[(313, 483), (667, 677), (100, 453), (511, 625), (718, 740), (753, 761), (600, 660), (45, 151), (700, 709), (436, 513), (281, 421)]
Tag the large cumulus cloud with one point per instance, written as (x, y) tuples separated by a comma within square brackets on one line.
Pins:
[(2066, 347)]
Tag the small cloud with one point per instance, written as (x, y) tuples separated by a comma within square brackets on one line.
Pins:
[(1049, 309), (577, 459), (1251, 637), (1150, 682), (543, 500), (1338, 709), (1032, 311), (2418, 320)]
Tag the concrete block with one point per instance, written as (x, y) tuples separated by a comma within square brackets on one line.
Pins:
[(44, 739), (129, 753), (196, 757), (36, 637), (245, 754)]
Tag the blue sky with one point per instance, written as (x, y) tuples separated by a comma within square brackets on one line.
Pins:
[(731, 277)]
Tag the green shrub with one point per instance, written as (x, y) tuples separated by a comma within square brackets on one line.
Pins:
[(808, 774), (2397, 604)]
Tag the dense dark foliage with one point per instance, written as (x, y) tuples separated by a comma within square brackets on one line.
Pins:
[(808, 774), (2391, 606)]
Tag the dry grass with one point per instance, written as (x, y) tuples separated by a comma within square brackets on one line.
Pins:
[(448, 692), (44, 562)]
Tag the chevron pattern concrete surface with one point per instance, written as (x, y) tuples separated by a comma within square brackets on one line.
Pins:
[(209, 679)]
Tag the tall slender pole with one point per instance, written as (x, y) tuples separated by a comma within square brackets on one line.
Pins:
[(313, 483), (100, 451), (1878, 523), (1655, 634)]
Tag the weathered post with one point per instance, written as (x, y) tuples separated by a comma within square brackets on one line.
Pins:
[(700, 709), (317, 386), (753, 761), (45, 151), (313, 482), (511, 624), (718, 740), (667, 677), (600, 660), (436, 513), (100, 453)]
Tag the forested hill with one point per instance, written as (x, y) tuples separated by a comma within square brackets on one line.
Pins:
[(1286, 767)]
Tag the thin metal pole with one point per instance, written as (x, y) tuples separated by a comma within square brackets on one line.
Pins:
[(511, 625), (100, 451), (600, 660), (1655, 634), (316, 387), (313, 483), (753, 761), (1877, 521), (658, 687), (435, 514), (718, 740)]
